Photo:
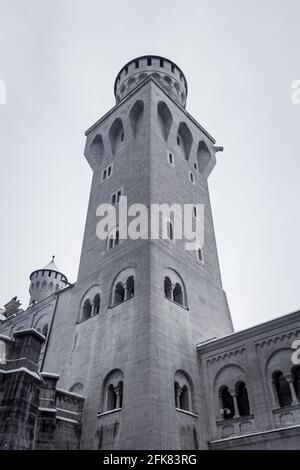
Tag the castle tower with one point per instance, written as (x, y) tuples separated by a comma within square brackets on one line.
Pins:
[(129, 327), (45, 281)]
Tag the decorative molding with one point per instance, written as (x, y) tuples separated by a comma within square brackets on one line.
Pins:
[(226, 355)]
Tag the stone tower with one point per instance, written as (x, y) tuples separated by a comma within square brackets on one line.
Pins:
[(129, 327), (45, 281)]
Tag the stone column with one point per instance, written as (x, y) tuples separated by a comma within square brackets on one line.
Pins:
[(235, 404), (295, 400)]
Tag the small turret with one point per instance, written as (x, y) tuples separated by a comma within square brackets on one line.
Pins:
[(46, 281)]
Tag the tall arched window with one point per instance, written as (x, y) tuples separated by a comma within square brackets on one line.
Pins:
[(168, 287), (86, 310), (183, 392), (96, 304), (113, 391), (227, 404), (296, 380), (242, 399), (282, 388)]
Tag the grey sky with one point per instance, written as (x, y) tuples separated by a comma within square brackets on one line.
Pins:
[(59, 60)]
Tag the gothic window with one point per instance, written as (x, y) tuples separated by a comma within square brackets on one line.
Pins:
[(96, 304), (168, 288), (282, 388), (296, 380), (183, 392), (242, 399), (227, 404), (165, 119), (86, 310), (186, 139), (113, 391)]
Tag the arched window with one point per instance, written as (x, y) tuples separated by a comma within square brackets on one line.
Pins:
[(113, 391), (168, 287), (178, 294), (282, 388), (86, 310), (174, 288), (183, 392), (119, 296), (96, 304), (242, 399), (296, 380), (227, 404), (130, 287)]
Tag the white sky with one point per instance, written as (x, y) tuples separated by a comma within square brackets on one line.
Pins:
[(59, 59)]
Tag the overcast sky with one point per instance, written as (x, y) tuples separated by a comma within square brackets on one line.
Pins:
[(59, 60)]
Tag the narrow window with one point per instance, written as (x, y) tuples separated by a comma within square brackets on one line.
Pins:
[(86, 310), (283, 389), (200, 255), (195, 212), (104, 175), (113, 199), (178, 141), (96, 304), (195, 166), (117, 237), (119, 193), (168, 288), (109, 171), (136, 64), (130, 288), (149, 61), (172, 68), (178, 294), (192, 179), (226, 403), (161, 63), (119, 293), (122, 136), (242, 399), (170, 231)]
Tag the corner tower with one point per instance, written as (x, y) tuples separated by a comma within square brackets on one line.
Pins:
[(134, 350)]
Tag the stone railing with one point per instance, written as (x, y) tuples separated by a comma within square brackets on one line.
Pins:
[(14, 364), (287, 416), (235, 426), (69, 405)]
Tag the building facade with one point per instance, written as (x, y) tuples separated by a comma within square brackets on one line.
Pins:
[(140, 352)]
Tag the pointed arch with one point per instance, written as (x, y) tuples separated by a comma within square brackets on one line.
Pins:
[(185, 138), (97, 149), (116, 134), (165, 119), (136, 117)]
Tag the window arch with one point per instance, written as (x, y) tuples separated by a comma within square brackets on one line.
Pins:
[(113, 391), (282, 389), (123, 287), (90, 303), (242, 399), (183, 391), (174, 288)]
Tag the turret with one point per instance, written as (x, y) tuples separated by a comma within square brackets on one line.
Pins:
[(46, 281), (167, 74)]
